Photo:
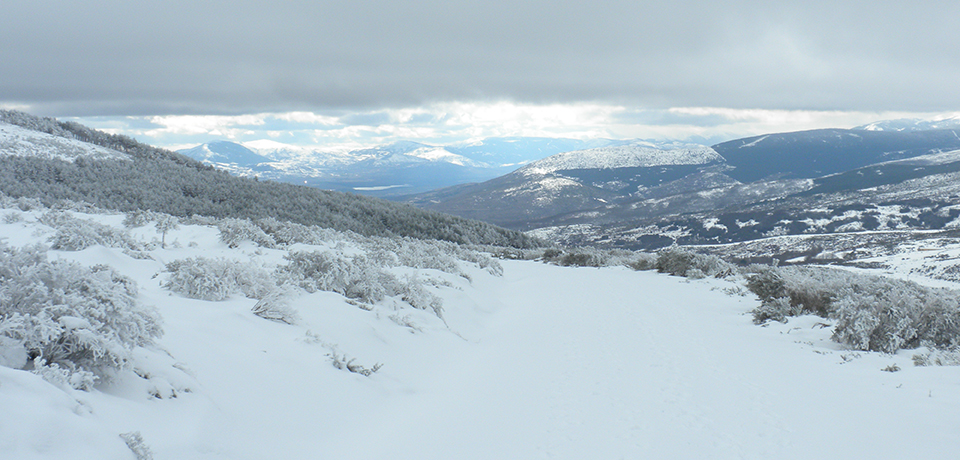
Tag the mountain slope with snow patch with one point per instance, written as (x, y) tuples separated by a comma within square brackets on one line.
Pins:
[(624, 156)]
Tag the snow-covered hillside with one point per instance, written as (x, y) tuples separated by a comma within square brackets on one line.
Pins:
[(459, 357), (17, 141), (624, 156)]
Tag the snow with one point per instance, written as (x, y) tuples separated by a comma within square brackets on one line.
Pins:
[(442, 154), (17, 141), (751, 144), (543, 362)]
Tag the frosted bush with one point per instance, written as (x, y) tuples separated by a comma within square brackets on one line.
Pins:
[(70, 319), (938, 357), (427, 254), (137, 218), (236, 231), (808, 290), (12, 217), (681, 262), (886, 315), (29, 204), (286, 233), (776, 309), (216, 279), (872, 313), (64, 377), (136, 444), (276, 307), (164, 222), (356, 277), (413, 292), (74, 234)]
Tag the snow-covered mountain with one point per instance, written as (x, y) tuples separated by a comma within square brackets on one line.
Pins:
[(412, 152), (224, 152), (402, 167), (634, 155), (914, 124), (569, 182), (764, 185)]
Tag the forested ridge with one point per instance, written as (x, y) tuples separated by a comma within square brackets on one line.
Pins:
[(164, 181)]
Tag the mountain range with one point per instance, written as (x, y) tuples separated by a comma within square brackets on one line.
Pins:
[(819, 181), (399, 168)]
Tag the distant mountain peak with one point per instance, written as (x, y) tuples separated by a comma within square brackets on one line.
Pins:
[(225, 152)]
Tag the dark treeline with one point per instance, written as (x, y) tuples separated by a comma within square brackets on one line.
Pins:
[(164, 181)]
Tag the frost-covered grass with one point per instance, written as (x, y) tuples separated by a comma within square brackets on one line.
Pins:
[(547, 360)]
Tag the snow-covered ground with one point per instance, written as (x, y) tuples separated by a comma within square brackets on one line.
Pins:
[(17, 141), (542, 362)]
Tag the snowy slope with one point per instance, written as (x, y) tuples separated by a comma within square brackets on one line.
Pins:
[(17, 141), (624, 156), (543, 362)]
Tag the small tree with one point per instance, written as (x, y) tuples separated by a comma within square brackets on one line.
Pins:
[(166, 223)]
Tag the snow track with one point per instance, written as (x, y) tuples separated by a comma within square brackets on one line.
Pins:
[(544, 362), (612, 363)]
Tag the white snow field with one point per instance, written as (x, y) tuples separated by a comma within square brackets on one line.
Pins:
[(542, 362)]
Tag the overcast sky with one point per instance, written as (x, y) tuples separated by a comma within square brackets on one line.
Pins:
[(355, 71)]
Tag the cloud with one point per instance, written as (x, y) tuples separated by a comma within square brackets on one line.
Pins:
[(121, 58), (454, 122)]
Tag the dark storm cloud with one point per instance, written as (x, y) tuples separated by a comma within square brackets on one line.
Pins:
[(151, 57)]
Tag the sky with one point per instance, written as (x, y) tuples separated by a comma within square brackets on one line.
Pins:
[(337, 73)]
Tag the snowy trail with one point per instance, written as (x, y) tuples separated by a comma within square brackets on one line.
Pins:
[(591, 368), (545, 362)]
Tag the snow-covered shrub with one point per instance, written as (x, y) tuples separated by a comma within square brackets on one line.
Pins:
[(203, 221), (938, 357), (235, 231), (641, 261), (356, 277), (413, 293), (164, 222), (74, 234), (137, 218), (791, 291), (139, 448), (582, 257), (480, 259), (64, 377), (880, 314), (286, 233), (345, 363), (12, 217), (872, 313), (776, 309), (29, 204), (592, 257), (70, 320), (216, 279), (681, 262), (276, 307)]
